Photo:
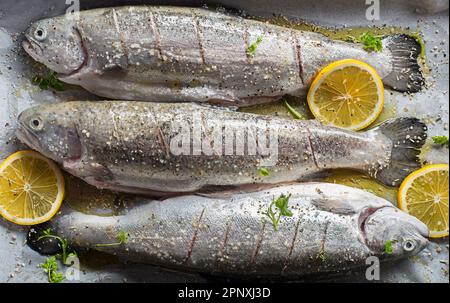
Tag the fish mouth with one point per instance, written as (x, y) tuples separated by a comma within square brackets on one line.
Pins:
[(32, 48), (27, 137), (421, 228)]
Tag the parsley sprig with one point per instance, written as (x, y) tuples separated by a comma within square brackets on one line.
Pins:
[(371, 43), (264, 172), (51, 269), (441, 140), (48, 81), (50, 266), (388, 247), (251, 49), (281, 209)]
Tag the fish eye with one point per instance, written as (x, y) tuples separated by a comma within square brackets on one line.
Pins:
[(40, 34), (36, 123), (409, 245)]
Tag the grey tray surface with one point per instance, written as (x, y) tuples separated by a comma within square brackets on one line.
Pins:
[(18, 263)]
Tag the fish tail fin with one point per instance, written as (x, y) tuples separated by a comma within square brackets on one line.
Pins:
[(406, 75), (407, 135), (98, 232)]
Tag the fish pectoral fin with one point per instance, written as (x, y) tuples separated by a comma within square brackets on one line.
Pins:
[(112, 72), (98, 171), (218, 191), (227, 191), (250, 101), (334, 206), (72, 165), (91, 170), (315, 176)]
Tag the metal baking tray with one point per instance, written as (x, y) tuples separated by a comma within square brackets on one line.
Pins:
[(18, 263)]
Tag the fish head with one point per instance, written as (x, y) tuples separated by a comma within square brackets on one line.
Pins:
[(392, 232), (56, 43), (51, 130), (378, 221)]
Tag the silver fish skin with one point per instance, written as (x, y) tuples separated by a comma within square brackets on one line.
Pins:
[(333, 228), (170, 54), (143, 147)]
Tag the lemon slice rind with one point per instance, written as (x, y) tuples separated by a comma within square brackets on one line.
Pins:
[(338, 65), (56, 203), (407, 184)]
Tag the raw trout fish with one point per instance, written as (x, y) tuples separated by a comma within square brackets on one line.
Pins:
[(143, 147), (161, 54), (333, 228)]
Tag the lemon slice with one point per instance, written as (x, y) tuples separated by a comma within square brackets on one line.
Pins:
[(31, 188), (348, 94), (424, 194)]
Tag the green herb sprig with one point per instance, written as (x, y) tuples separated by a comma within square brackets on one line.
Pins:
[(251, 49), (388, 247), (50, 266), (282, 209), (121, 237), (264, 172), (49, 81), (51, 269), (371, 43), (62, 243), (293, 112), (441, 140), (322, 255)]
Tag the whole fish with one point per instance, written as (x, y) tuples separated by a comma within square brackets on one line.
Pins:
[(332, 228), (171, 54), (140, 147)]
